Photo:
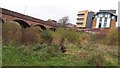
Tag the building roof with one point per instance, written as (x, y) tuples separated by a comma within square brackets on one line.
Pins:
[(106, 12), (110, 11)]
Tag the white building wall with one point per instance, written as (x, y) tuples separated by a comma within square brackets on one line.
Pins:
[(108, 22), (97, 23), (103, 21)]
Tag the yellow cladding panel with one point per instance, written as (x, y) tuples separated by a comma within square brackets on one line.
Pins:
[(84, 17), (80, 26), (80, 21), (85, 11)]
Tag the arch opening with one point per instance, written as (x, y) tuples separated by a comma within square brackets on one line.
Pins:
[(42, 27), (22, 23), (1, 20), (53, 29)]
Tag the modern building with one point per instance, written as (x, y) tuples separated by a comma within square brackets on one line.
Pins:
[(84, 19), (104, 19)]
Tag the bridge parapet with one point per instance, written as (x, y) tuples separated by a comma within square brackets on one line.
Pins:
[(26, 17)]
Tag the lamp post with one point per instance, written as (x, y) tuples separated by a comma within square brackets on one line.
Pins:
[(25, 9)]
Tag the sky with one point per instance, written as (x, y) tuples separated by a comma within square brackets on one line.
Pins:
[(56, 9)]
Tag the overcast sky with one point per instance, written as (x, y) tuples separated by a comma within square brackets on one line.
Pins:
[(56, 9)]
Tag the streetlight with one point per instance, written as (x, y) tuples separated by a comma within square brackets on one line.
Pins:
[(25, 9)]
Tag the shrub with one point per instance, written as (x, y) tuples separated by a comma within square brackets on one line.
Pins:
[(45, 51), (96, 58), (111, 37), (14, 34), (69, 35), (53, 50), (30, 36), (72, 36), (46, 37), (56, 37), (11, 33), (85, 38)]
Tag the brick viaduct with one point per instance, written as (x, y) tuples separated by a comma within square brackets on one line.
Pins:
[(24, 20)]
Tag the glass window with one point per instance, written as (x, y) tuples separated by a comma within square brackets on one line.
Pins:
[(80, 19), (100, 19), (79, 23), (101, 15), (108, 15), (99, 25), (95, 16), (113, 17), (105, 20), (80, 14), (105, 23)]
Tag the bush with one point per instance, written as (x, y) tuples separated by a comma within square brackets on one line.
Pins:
[(46, 37), (11, 33), (44, 51), (53, 50), (85, 38), (69, 35), (30, 36), (111, 37), (96, 58), (72, 36)]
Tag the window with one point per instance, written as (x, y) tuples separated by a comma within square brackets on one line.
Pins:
[(108, 15), (101, 15), (105, 23), (99, 25), (113, 17), (80, 19), (96, 16), (80, 14), (79, 23), (100, 19)]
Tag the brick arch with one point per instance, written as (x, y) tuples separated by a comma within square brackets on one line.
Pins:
[(41, 26), (1, 20), (22, 23), (53, 29)]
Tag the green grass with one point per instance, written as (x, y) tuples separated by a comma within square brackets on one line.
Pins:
[(20, 55), (25, 56)]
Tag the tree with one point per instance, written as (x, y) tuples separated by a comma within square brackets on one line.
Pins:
[(64, 20), (51, 21)]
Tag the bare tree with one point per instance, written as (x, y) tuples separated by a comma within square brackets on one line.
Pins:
[(64, 20), (51, 21)]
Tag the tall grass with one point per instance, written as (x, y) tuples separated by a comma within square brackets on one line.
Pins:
[(14, 34), (45, 45), (30, 36), (111, 37), (46, 37), (70, 36), (11, 33), (28, 56)]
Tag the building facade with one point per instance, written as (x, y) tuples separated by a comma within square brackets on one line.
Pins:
[(104, 19), (84, 19)]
